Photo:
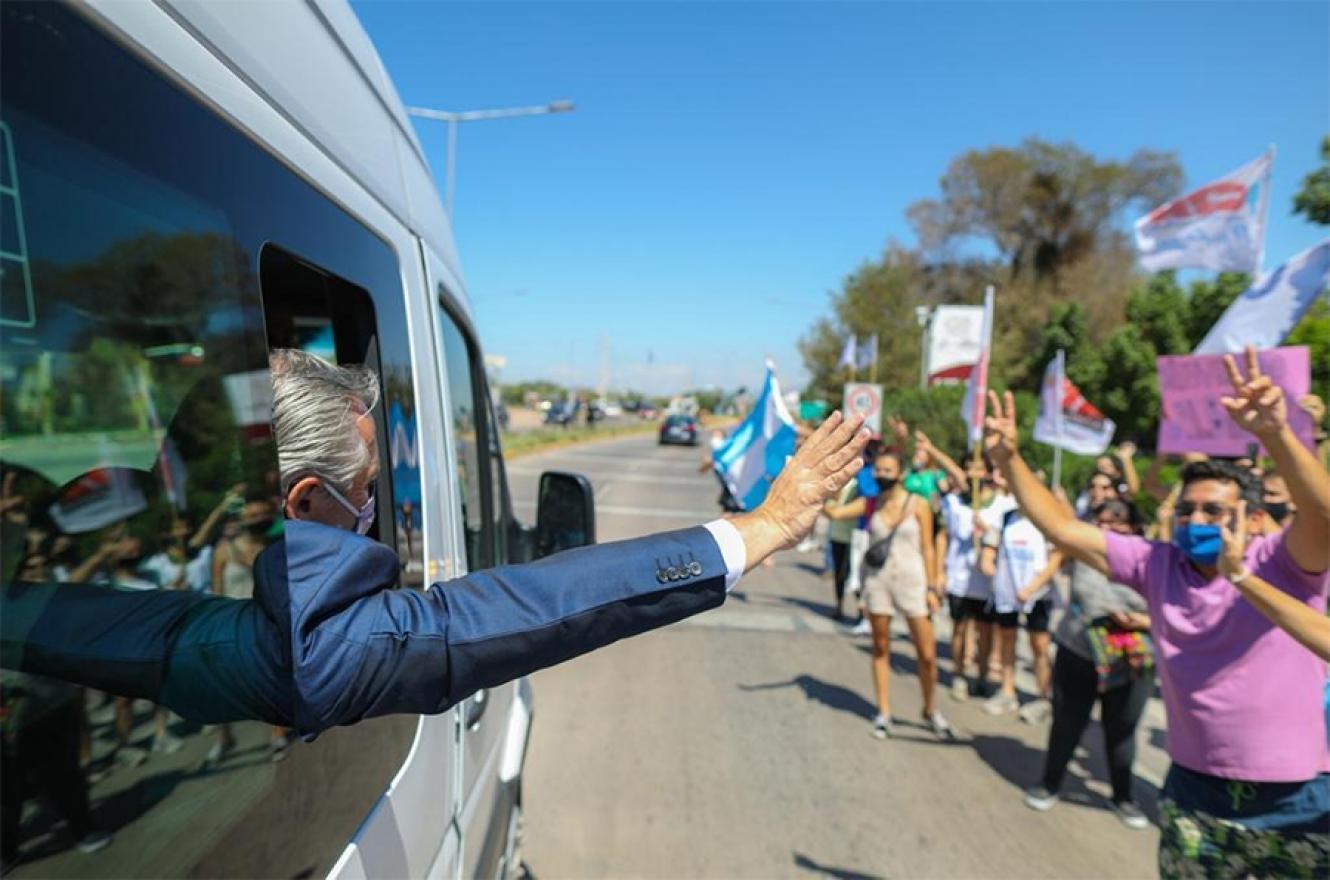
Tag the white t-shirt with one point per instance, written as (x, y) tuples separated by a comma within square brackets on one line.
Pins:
[(1022, 553), (963, 575)]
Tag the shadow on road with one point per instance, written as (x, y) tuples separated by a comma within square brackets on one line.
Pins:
[(821, 609), (807, 864), (833, 696)]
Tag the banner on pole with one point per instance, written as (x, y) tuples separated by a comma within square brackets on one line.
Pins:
[(1267, 312), (955, 338), (1220, 226), (975, 403), (1066, 419), (1193, 419), (865, 399)]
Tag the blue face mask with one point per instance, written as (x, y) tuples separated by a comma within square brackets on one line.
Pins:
[(1201, 543)]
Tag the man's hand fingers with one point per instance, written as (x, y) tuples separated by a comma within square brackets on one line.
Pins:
[(1010, 410), (1241, 525), (837, 439), (824, 430), (994, 405), (839, 458), (1253, 363), (1234, 376)]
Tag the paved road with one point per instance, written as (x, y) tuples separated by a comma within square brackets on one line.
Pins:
[(736, 744)]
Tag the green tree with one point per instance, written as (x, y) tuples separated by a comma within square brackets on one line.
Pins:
[(1208, 300), (1313, 200), (1313, 331), (1042, 206)]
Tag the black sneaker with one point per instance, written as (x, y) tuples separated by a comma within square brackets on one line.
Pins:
[(1040, 798), (1130, 815)]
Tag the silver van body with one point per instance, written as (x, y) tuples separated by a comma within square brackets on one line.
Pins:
[(301, 84)]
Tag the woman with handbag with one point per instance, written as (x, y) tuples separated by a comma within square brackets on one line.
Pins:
[(1104, 653), (901, 574)]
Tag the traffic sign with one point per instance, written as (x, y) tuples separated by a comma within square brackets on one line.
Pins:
[(865, 399)]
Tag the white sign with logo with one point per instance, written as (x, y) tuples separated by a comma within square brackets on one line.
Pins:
[(955, 336), (865, 399)]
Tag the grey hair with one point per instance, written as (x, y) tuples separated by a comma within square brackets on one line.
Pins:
[(315, 407)]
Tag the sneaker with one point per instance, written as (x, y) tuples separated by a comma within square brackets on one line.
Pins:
[(881, 727), (1036, 712), (862, 628), (1040, 798), (94, 841), (938, 724), (215, 754), (166, 744), (1131, 815), (1001, 704), (277, 748), (960, 689)]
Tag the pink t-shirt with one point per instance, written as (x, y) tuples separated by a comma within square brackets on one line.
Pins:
[(1244, 700)]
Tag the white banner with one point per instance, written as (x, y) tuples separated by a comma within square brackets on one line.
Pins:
[(1220, 226), (955, 337), (976, 389), (1267, 312), (1066, 419)]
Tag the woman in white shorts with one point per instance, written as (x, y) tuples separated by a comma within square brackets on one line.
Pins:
[(902, 585)]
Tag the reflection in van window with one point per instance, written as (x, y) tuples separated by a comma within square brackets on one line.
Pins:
[(136, 454)]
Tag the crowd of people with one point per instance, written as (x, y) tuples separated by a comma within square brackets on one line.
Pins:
[(1219, 600)]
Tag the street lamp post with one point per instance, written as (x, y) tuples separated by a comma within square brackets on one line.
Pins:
[(474, 116), (924, 315)]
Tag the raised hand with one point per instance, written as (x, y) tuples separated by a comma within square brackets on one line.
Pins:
[(1232, 558), (1313, 406), (1000, 437), (814, 474), (1257, 405), (899, 428), (1126, 449)]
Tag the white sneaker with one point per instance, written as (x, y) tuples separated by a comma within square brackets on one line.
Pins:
[(1001, 704), (882, 727), (938, 724), (166, 744), (862, 628), (960, 689), (1036, 712), (1040, 798)]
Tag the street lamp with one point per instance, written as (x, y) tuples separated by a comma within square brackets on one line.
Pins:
[(474, 116)]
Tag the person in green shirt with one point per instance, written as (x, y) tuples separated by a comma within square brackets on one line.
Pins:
[(923, 477)]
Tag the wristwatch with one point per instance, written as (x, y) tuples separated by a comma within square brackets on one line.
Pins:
[(1239, 577)]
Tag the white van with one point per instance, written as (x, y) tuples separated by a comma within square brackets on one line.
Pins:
[(185, 185)]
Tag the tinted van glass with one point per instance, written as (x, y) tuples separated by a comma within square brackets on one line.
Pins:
[(137, 450)]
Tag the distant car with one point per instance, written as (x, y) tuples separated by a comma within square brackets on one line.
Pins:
[(562, 413), (679, 429), (648, 411)]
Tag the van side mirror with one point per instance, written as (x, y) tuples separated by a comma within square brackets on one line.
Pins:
[(565, 513)]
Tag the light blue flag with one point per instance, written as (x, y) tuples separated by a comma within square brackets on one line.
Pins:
[(1268, 311), (752, 456)]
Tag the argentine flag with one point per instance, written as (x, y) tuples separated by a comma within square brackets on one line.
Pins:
[(750, 458)]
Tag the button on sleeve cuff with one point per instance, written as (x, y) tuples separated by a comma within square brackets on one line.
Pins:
[(732, 550)]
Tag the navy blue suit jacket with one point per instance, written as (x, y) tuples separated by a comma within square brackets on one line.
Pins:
[(326, 640)]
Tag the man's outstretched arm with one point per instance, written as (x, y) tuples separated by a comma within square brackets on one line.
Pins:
[(1081, 540)]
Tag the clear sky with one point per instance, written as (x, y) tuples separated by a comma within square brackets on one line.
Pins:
[(728, 164)]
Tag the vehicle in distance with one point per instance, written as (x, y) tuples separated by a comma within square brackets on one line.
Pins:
[(679, 429)]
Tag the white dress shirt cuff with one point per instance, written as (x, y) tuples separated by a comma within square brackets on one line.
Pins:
[(732, 549)]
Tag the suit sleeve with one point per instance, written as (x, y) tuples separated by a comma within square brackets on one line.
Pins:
[(423, 651)]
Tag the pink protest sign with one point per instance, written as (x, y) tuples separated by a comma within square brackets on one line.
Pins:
[(1190, 387)]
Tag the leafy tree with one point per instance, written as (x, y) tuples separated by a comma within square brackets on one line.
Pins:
[(1209, 299), (1313, 331), (1313, 200), (1042, 206)]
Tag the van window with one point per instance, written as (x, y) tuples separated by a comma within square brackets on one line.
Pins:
[(460, 375), (151, 256)]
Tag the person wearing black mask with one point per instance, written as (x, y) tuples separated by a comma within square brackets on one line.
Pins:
[(1276, 502)]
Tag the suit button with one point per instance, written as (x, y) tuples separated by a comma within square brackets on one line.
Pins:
[(661, 576), (695, 567), (672, 573)]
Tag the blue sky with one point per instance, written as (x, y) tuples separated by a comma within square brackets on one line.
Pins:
[(729, 164)]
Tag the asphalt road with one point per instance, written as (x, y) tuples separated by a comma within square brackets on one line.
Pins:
[(736, 744)]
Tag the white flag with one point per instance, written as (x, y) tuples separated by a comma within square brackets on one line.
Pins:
[(1066, 419), (755, 452), (847, 355), (1220, 226), (866, 353), (1270, 308), (976, 389)]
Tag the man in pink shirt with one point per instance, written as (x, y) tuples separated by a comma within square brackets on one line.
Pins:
[(1249, 788)]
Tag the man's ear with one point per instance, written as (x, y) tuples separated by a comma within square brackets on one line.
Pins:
[(298, 500)]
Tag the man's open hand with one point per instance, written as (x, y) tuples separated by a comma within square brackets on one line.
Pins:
[(1257, 405), (820, 468)]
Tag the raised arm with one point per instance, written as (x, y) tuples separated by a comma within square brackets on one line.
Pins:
[(944, 461), (1126, 451), (1081, 540), (1258, 407)]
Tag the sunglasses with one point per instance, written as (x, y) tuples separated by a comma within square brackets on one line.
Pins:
[(1211, 509)]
